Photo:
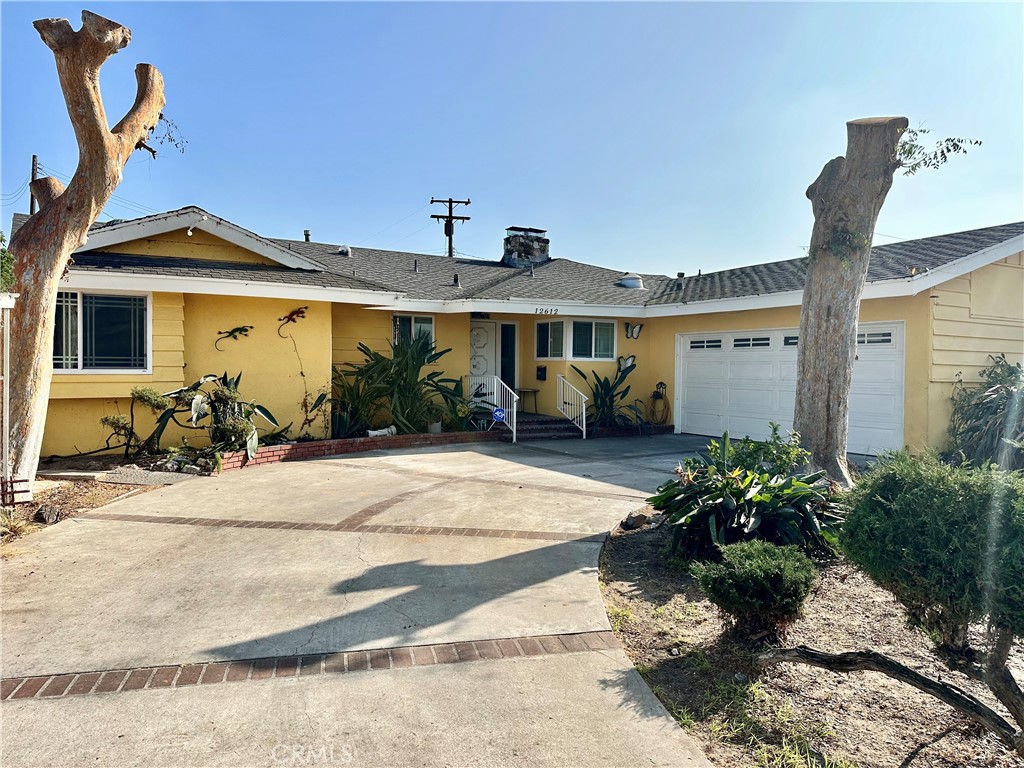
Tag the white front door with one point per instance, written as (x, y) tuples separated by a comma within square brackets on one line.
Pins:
[(483, 356), (740, 380)]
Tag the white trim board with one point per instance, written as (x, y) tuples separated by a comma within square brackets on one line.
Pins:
[(194, 218)]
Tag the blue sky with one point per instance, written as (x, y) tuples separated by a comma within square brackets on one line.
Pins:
[(657, 137)]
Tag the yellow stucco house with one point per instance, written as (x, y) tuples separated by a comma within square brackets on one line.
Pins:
[(150, 301)]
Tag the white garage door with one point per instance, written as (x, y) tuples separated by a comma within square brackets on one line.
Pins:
[(741, 380)]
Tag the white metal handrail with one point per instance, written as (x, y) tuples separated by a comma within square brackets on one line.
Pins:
[(572, 404), (491, 393)]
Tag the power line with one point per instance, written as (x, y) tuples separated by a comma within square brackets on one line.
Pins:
[(394, 242), (116, 200), (20, 190), (389, 226)]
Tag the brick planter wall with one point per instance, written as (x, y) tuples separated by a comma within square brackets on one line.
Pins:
[(316, 449)]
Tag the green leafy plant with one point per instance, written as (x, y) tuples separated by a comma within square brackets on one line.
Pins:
[(396, 387), (776, 455), (6, 265), (987, 422), (607, 406), (710, 506), (353, 404), (760, 585), (948, 541)]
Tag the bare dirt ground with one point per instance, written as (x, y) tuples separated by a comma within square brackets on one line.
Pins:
[(68, 497), (789, 715)]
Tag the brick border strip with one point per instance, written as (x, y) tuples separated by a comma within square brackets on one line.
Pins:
[(206, 673), (319, 449), (345, 526)]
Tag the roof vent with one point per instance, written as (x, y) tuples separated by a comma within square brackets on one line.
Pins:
[(631, 280), (344, 250), (306, 234)]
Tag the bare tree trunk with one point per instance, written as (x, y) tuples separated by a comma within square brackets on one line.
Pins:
[(853, 661), (846, 198), (42, 246)]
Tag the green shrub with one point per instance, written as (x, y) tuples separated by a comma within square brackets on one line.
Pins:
[(760, 585), (987, 423), (776, 455), (948, 541), (710, 506)]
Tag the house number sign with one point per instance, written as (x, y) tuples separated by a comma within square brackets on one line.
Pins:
[(545, 311)]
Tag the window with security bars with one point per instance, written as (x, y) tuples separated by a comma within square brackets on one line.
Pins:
[(97, 332), (745, 342), (705, 343), (875, 337)]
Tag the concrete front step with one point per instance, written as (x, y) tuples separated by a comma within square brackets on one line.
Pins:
[(546, 430)]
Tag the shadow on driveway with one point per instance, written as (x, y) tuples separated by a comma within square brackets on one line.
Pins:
[(448, 594)]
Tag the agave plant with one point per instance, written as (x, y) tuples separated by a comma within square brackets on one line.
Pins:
[(232, 418), (608, 406), (710, 505)]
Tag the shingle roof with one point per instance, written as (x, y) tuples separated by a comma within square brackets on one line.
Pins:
[(888, 262), (174, 266), (432, 277)]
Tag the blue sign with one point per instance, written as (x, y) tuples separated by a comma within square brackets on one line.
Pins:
[(498, 414)]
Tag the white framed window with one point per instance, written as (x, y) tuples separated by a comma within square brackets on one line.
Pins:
[(747, 342), (406, 327), (875, 337), (593, 340), (705, 343), (551, 340), (102, 332)]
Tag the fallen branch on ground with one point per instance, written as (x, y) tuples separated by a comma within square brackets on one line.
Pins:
[(854, 661)]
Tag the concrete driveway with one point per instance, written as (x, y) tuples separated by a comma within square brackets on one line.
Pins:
[(421, 607)]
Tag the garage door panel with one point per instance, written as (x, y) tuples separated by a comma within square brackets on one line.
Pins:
[(704, 423), (706, 398), (742, 388), (867, 407), (706, 369), (756, 400), (751, 370), (877, 371)]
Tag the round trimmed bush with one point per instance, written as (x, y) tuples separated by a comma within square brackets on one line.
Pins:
[(948, 541), (762, 586)]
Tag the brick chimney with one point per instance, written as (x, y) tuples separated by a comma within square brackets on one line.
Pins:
[(525, 246)]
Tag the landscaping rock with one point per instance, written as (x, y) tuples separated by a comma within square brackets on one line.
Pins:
[(635, 520), (191, 469), (49, 514)]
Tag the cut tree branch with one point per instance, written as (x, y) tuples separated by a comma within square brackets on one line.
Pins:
[(870, 661), (46, 190)]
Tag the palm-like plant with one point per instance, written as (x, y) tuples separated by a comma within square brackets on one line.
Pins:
[(608, 406), (396, 385)]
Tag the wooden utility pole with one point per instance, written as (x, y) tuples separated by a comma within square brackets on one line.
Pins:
[(35, 175), (449, 219)]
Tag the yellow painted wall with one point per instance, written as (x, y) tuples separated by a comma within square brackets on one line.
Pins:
[(972, 317), (269, 365), (201, 245)]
